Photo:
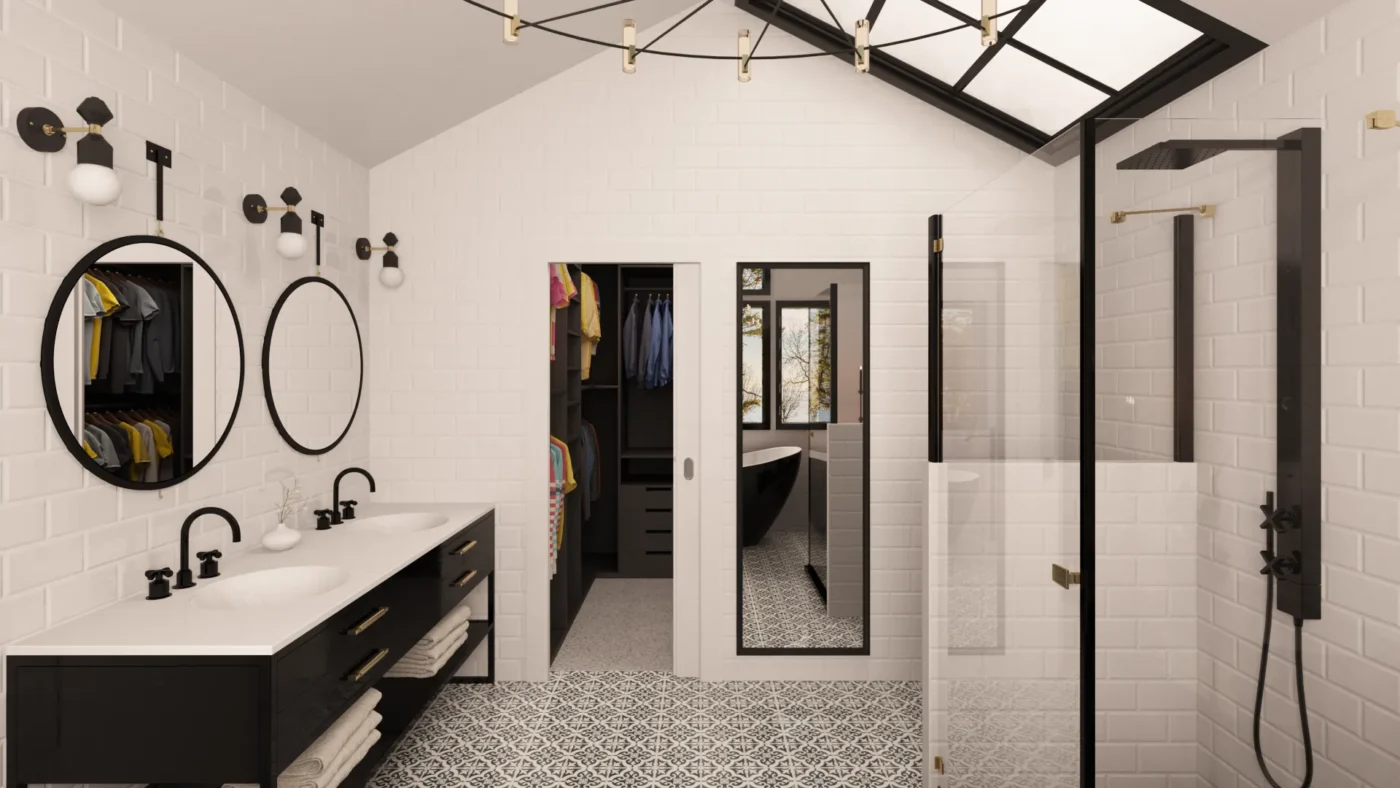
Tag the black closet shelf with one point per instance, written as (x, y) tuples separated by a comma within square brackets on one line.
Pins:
[(601, 387)]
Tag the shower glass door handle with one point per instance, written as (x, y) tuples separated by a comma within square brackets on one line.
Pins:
[(1063, 577)]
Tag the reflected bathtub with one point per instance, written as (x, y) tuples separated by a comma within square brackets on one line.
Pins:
[(766, 481)]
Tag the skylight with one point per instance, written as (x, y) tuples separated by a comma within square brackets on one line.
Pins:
[(1057, 61)]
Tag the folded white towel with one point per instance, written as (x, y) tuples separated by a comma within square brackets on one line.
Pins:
[(419, 670), (353, 760), (447, 628), (330, 766), (426, 655), (314, 762)]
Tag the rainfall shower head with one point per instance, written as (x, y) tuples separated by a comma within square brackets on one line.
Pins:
[(1181, 154)]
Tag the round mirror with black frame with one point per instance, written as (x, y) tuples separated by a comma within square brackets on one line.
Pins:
[(138, 362), (313, 365)]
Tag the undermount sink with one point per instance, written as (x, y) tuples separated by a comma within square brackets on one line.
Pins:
[(396, 523), (271, 587)]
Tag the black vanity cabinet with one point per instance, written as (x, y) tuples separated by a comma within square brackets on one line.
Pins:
[(241, 719)]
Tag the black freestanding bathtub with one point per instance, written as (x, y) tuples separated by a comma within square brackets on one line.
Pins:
[(767, 481)]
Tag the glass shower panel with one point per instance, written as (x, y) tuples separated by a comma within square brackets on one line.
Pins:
[(1004, 685)]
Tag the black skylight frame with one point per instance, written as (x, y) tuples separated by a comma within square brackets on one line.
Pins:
[(1219, 48)]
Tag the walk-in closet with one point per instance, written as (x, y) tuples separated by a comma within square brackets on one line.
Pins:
[(611, 407)]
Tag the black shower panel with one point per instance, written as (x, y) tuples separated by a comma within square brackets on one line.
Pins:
[(1300, 372), (1294, 513)]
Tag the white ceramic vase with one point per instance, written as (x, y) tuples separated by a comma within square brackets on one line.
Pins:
[(281, 538)]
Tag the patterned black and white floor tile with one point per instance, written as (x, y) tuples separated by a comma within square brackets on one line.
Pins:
[(653, 730), (782, 608)]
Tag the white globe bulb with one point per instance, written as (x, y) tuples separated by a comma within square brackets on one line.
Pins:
[(291, 245), (391, 277), (94, 184)]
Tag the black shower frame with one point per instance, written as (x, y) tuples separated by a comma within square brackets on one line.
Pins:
[(864, 649)]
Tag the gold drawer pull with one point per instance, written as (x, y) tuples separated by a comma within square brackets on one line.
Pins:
[(464, 549), (364, 669), (368, 622), (464, 579)]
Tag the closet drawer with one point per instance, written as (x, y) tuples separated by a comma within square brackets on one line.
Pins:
[(645, 542), (644, 498)]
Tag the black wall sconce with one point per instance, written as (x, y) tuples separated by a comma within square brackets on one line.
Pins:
[(291, 244), (93, 181), (390, 275)]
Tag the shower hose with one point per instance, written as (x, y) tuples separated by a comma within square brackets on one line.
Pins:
[(1263, 670)]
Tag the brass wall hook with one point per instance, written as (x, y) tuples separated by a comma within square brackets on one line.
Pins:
[(1381, 120)]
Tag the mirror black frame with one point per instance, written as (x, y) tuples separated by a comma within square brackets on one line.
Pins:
[(267, 358), (50, 339), (743, 295)]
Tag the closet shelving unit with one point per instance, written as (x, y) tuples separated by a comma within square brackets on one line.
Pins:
[(628, 531), (176, 393)]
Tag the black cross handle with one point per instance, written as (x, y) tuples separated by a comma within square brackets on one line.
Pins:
[(1280, 519)]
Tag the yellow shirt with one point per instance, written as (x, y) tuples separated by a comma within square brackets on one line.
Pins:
[(592, 325), (89, 450), (163, 447), (109, 303)]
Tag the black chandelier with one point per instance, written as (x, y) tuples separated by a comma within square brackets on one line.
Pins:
[(860, 48)]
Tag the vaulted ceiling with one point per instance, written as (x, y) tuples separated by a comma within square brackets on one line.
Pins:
[(374, 78)]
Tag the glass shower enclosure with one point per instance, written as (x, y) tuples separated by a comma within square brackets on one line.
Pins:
[(1124, 369)]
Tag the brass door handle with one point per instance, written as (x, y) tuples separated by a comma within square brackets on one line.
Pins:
[(464, 579), (1063, 577), (364, 669), (368, 622), (464, 549)]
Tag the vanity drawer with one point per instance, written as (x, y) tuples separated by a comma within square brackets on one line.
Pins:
[(317, 679), (644, 498), (474, 547)]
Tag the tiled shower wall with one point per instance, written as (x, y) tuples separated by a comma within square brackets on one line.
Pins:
[(1328, 74), (69, 544)]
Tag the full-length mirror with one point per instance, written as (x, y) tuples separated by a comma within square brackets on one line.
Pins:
[(804, 458), (142, 362), (313, 365)]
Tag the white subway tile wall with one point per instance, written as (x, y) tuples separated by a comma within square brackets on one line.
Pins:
[(68, 543), (1328, 74), (676, 163)]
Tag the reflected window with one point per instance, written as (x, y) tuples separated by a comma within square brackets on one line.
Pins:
[(754, 378), (806, 365), (754, 281)]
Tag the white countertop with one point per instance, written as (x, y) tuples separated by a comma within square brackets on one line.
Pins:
[(180, 626), (817, 455)]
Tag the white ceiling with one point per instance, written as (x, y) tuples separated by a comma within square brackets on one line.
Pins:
[(375, 77)]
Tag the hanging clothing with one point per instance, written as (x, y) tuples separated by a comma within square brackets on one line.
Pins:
[(561, 291), (660, 351), (644, 358), (632, 338), (592, 476), (591, 323), (108, 305), (561, 483)]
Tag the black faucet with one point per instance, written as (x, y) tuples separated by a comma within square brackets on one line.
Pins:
[(185, 578), (336, 517)]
